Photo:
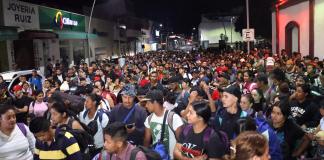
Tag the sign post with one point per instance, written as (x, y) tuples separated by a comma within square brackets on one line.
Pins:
[(248, 22), (248, 35)]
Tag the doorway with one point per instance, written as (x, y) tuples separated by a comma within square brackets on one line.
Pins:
[(292, 37)]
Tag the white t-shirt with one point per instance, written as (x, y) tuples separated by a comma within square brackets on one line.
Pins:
[(17, 146), (99, 137), (322, 124), (156, 129), (270, 61)]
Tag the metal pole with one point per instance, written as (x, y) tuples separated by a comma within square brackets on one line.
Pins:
[(118, 36), (90, 18), (231, 30), (248, 23)]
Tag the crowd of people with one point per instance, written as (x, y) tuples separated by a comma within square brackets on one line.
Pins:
[(168, 105)]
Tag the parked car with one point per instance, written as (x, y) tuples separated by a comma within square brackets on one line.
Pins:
[(12, 78)]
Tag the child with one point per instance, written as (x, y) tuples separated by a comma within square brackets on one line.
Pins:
[(320, 144)]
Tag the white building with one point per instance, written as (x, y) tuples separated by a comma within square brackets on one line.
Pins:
[(210, 30), (297, 26)]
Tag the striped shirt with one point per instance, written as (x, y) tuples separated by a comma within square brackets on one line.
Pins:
[(64, 146), (17, 146)]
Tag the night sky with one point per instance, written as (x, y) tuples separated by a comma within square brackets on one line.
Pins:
[(183, 15)]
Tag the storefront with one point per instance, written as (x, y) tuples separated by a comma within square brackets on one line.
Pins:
[(70, 27), (16, 17)]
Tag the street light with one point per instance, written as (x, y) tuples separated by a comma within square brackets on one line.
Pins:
[(161, 25)]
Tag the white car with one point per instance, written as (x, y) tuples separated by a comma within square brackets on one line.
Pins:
[(12, 77)]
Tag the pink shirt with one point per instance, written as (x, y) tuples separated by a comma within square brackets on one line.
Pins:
[(38, 108)]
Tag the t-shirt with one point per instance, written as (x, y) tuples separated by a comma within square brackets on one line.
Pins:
[(38, 109), (21, 103), (193, 145), (305, 113), (98, 137), (156, 129), (322, 124), (17, 146)]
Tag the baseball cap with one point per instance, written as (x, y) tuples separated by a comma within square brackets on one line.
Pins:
[(129, 90), (153, 95), (234, 90), (17, 88)]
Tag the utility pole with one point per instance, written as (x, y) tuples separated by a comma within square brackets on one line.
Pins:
[(90, 18), (248, 23)]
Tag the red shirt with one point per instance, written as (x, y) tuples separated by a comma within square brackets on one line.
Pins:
[(221, 69)]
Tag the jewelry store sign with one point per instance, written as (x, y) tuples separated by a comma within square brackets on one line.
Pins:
[(20, 14)]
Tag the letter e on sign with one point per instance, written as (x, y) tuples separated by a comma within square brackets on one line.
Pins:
[(248, 35)]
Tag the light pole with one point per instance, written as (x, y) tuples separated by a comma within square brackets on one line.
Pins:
[(90, 18), (248, 23)]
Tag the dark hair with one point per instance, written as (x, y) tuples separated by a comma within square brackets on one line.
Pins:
[(60, 108), (306, 88), (102, 84), (284, 107), (200, 92), (39, 124), (58, 82), (262, 78), (260, 92), (117, 130), (95, 98), (82, 79), (278, 74), (322, 104), (202, 109), (248, 97), (38, 92), (250, 73), (5, 108)]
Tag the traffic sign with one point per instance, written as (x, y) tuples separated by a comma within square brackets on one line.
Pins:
[(248, 35)]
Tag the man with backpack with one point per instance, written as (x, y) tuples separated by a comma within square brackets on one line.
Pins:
[(132, 115), (116, 146), (53, 143), (163, 126)]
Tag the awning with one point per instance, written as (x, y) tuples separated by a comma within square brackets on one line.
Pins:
[(75, 35), (8, 33), (37, 34)]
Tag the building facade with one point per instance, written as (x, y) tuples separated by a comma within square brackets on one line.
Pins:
[(297, 26)]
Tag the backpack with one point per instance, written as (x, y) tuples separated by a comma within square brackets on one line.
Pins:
[(93, 125), (83, 138), (169, 120), (22, 128), (76, 102), (159, 146), (208, 133), (149, 153)]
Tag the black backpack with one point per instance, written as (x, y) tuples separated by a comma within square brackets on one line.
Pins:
[(83, 138), (149, 153)]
